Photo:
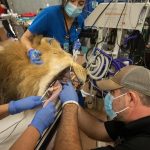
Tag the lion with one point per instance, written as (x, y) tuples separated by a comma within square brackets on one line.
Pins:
[(19, 78)]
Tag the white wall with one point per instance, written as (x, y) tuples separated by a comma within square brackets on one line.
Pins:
[(21, 6)]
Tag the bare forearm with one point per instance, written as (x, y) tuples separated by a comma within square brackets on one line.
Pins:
[(25, 39), (28, 140), (3, 110), (87, 122), (68, 135)]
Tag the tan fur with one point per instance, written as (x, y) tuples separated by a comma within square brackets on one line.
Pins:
[(19, 78)]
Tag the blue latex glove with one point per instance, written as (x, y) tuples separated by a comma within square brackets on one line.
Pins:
[(68, 94), (77, 45), (44, 117), (34, 56), (24, 104)]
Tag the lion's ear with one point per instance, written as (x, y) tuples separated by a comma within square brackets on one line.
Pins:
[(36, 41), (52, 42), (55, 44), (45, 40)]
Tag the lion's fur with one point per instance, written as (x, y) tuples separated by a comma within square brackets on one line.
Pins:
[(19, 78)]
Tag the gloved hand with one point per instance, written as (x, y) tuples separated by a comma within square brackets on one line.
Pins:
[(54, 92), (68, 94), (24, 104), (44, 117), (77, 45), (34, 56)]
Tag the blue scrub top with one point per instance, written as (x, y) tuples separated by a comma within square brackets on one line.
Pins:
[(50, 23)]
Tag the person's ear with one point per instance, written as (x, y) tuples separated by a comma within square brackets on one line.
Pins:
[(134, 98)]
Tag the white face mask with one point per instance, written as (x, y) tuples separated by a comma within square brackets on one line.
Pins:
[(72, 10), (108, 100)]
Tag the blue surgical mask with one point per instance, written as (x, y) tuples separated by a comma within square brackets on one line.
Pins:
[(72, 10), (108, 100)]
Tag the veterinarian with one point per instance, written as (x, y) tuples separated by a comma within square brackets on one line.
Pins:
[(18, 106), (127, 104), (42, 119), (63, 22)]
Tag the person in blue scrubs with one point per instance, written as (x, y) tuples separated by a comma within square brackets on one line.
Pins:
[(62, 22)]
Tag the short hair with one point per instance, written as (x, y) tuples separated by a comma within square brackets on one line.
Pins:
[(64, 1), (145, 99)]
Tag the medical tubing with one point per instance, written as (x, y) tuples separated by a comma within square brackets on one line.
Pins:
[(15, 124), (106, 63), (100, 74), (99, 70), (121, 61), (99, 66), (100, 60), (113, 62), (117, 63)]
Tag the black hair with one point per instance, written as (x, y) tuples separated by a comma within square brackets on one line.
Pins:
[(64, 2)]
